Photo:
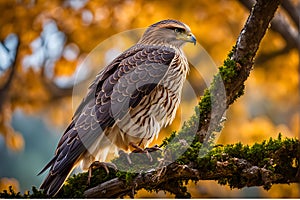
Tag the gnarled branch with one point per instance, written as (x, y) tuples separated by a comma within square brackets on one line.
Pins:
[(239, 166)]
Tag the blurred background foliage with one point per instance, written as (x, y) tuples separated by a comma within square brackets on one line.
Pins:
[(43, 43)]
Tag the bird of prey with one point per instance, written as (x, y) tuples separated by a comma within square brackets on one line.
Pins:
[(127, 104)]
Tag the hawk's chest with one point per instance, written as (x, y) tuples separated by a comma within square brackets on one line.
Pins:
[(172, 85), (176, 75), (162, 103), (156, 110)]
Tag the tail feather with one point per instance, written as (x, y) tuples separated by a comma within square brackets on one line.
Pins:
[(55, 179), (67, 154), (47, 166), (53, 183)]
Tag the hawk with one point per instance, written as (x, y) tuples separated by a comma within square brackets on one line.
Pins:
[(127, 104)]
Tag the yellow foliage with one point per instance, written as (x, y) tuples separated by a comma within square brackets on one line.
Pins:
[(6, 182), (65, 68), (13, 139)]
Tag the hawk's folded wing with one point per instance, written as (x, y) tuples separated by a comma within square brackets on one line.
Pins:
[(118, 88)]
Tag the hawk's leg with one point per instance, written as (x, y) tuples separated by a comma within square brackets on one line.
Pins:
[(96, 165), (147, 150), (126, 155)]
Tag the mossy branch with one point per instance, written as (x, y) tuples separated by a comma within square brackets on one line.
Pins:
[(262, 164), (236, 69)]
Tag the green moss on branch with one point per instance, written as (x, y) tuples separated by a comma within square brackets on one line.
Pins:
[(237, 165)]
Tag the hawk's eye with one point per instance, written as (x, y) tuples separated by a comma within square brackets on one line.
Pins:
[(178, 30)]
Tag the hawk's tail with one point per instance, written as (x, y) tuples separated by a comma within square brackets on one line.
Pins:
[(54, 181)]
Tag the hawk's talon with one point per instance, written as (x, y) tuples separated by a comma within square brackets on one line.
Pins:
[(154, 148), (123, 153), (97, 165), (160, 172), (147, 150)]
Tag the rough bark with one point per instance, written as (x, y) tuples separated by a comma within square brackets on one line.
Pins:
[(238, 166), (255, 176), (242, 57)]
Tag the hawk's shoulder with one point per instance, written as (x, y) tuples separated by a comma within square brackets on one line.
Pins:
[(134, 78), (139, 59)]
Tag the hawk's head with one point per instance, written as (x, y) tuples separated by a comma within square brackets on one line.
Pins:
[(170, 32)]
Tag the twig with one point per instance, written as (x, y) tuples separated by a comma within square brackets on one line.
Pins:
[(5, 88), (292, 12), (280, 25), (264, 57)]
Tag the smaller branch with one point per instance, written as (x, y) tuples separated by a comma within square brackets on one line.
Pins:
[(6, 86), (264, 57), (292, 12), (290, 34), (280, 25)]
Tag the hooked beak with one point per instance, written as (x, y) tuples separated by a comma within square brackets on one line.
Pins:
[(191, 38)]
